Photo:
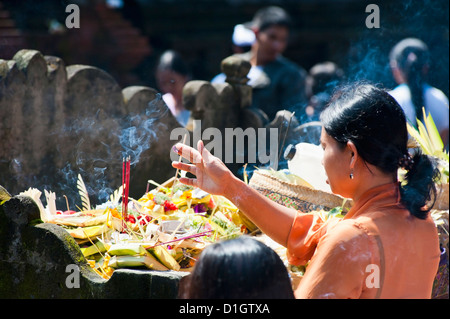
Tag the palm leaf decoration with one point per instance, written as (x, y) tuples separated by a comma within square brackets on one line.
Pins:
[(116, 196), (429, 140), (83, 194), (427, 135)]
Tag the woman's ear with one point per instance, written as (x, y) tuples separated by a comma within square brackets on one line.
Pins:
[(353, 152)]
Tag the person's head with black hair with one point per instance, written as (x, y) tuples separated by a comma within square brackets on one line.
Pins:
[(365, 142), (322, 78), (172, 60), (172, 73), (409, 61), (240, 268), (271, 26), (270, 16)]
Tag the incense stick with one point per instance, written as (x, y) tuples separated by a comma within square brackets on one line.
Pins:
[(284, 138), (125, 188), (179, 160), (275, 164), (123, 192), (183, 238), (127, 183)]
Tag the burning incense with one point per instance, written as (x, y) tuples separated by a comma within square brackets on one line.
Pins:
[(123, 193), (128, 182), (125, 187)]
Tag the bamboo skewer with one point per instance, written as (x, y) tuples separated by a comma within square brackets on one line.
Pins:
[(182, 238), (67, 202), (159, 186)]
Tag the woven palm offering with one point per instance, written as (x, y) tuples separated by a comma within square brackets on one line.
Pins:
[(167, 228), (294, 192)]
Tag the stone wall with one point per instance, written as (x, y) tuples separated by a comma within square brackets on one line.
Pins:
[(44, 261), (58, 121)]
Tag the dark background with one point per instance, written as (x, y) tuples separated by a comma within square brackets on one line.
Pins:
[(126, 40)]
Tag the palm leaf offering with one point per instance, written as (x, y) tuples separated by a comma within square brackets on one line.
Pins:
[(4, 195), (167, 228), (428, 139), (116, 196), (435, 139), (86, 204)]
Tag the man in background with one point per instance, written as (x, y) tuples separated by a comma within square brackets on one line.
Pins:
[(277, 82)]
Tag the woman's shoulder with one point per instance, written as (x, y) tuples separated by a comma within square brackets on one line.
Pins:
[(346, 239), (349, 230)]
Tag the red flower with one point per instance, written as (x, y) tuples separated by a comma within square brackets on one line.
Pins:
[(211, 203), (168, 205), (144, 219)]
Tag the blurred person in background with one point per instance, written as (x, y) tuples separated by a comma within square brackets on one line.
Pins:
[(277, 82), (410, 62), (320, 83), (242, 38), (172, 73)]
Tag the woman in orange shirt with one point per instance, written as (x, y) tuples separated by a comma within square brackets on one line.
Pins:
[(386, 246)]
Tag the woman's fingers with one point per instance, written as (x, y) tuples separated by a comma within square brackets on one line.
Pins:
[(184, 167), (187, 152), (188, 181), (206, 155)]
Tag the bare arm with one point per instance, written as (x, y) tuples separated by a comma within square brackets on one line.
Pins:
[(214, 177)]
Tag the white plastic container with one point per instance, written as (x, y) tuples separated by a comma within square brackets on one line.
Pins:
[(305, 161)]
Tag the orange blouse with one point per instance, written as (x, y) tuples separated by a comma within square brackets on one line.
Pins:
[(378, 250)]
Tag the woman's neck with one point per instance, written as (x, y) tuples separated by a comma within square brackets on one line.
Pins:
[(371, 182)]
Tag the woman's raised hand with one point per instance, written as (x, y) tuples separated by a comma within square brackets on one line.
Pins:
[(215, 178), (212, 175)]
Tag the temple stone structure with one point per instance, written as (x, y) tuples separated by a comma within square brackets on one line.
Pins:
[(226, 108), (58, 121)]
